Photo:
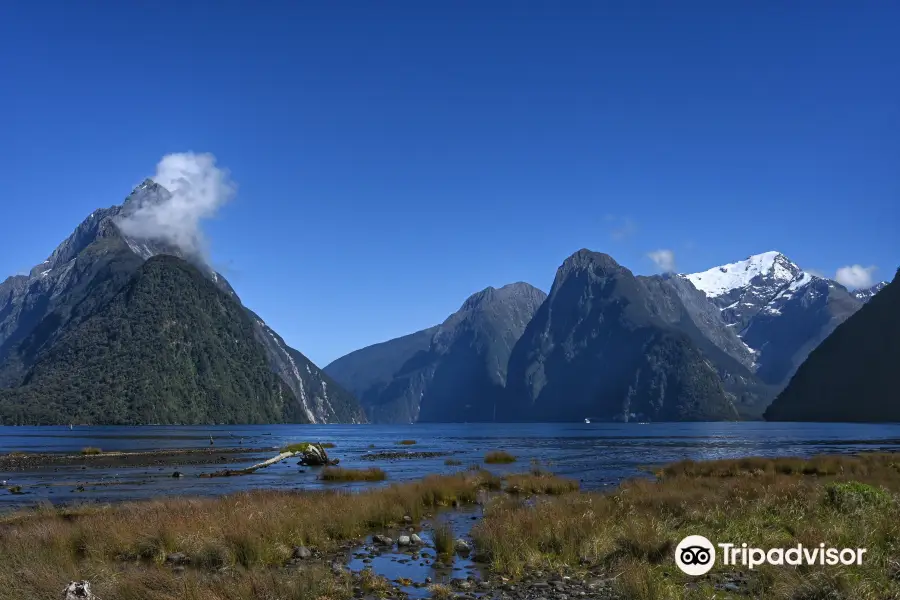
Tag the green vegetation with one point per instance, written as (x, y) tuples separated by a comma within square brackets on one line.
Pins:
[(169, 347), (298, 447), (499, 457), (90, 450), (442, 535), (15, 489), (340, 474), (328, 445), (407, 442), (452, 462), (844, 501)]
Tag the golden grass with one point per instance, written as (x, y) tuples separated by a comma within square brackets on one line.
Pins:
[(90, 450), (341, 474), (439, 591), (768, 503), (407, 442), (539, 482), (499, 457), (442, 535), (121, 548)]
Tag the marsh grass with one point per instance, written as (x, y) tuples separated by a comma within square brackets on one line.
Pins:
[(121, 548), (442, 535), (769, 503), (499, 457), (297, 447), (439, 591), (539, 482), (90, 450), (341, 474)]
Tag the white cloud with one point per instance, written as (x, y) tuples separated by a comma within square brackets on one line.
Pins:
[(198, 189), (664, 260), (817, 273), (855, 276)]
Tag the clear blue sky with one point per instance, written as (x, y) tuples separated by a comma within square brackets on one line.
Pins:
[(393, 157)]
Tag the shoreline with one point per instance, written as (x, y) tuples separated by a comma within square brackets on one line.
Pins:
[(522, 536), (22, 461)]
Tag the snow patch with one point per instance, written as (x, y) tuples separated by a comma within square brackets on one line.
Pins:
[(721, 280)]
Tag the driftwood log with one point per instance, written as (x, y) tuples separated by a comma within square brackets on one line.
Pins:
[(311, 455)]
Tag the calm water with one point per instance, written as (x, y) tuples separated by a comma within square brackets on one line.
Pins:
[(598, 454)]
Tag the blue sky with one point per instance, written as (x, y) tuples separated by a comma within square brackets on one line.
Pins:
[(393, 158)]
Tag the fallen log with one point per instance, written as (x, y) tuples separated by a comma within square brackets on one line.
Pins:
[(311, 455)]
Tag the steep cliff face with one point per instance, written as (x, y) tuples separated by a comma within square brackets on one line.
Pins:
[(449, 373), (852, 375), (603, 345)]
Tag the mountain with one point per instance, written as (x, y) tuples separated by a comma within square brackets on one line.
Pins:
[(367, 371), (608, 345), (169, 347), (852, 375), (458, 375), (865, 294), (778, 310), (87, 271)]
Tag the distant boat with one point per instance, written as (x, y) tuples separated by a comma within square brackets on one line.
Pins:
[(588, 421)]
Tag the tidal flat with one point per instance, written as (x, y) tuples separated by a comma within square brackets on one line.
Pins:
[(477, 534)]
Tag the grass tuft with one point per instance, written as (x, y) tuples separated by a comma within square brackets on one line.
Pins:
[(407, 442), (341, 474), (499, 457), (540, 483), (90, 450), (453, 462), (443, 538)]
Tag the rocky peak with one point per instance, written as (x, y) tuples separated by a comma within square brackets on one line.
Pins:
[(147, 193), (513, 292), (597, 263)]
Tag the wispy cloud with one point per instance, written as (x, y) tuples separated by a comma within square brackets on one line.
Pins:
[(664, 259), (198, 190), (620, 227), (855, 276)]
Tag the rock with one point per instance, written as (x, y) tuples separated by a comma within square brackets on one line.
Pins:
[(462, 546), (407, 519), (177, 558), (177, 474), (403, 540), (382, 540), (78, 590), (301, 552), (415, 539)]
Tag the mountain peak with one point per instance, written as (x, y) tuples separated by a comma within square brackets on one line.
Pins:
[(147, 193), (725, 278), (588, 259), (510, 291)]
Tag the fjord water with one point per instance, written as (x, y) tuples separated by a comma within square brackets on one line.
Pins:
[(598, 454)]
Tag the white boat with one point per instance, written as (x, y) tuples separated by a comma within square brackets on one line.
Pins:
[(588, 421)]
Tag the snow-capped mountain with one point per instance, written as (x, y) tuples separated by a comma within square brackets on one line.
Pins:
[(865, 294), (779, 310), (95, 261)]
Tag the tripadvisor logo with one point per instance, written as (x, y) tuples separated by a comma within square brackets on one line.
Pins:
[(695, 555)]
